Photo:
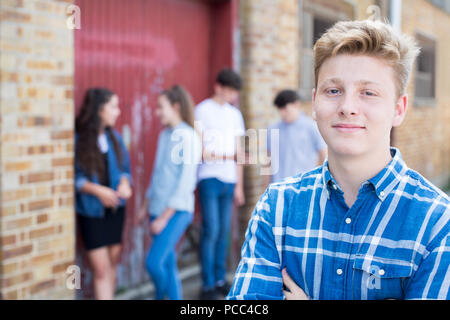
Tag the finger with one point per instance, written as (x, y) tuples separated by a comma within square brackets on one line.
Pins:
[(288, 282), (288, 295)]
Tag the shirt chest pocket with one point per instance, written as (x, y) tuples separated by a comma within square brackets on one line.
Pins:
[(378, 278)]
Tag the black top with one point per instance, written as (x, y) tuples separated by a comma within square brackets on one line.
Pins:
[(104, 181)]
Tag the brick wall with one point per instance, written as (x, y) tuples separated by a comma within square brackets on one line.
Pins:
[(269, 62), (36, 154), (424, 137)]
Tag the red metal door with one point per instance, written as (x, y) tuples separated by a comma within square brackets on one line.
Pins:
[(137, 48)]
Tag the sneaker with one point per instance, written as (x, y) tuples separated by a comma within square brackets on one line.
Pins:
[(208, 294), (223, 288)]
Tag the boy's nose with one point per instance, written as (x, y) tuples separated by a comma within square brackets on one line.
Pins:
[(348, 106)]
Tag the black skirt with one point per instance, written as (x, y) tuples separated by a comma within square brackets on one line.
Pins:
[(105, 231), (101, 232)]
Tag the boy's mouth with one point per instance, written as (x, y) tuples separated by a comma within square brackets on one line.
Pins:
[(348, 127)]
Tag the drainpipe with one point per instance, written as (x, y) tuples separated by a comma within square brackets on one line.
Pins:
[(395, 17), (395, 12)]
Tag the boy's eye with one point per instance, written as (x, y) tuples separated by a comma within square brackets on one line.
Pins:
[(333, 91), (369, 93)]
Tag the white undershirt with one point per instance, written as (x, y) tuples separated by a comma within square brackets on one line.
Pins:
[(102, 143)]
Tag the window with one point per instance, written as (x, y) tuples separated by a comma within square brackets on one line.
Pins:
[(313, 28), (425, 77), (316, 17), (443, 4)]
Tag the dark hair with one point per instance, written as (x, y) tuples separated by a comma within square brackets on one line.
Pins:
[(229, 78), (285, 97), (177, 94), (87, 128)]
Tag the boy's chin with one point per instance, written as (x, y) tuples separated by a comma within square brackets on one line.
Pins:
[(347, 150)]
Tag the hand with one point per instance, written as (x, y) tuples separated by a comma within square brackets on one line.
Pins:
[(239, 197), (141, 215), (158, 225), (108, 197), (124, 190), (294, 291)]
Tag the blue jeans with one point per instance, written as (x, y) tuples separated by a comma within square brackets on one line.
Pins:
[(161, 260), (216, 200)]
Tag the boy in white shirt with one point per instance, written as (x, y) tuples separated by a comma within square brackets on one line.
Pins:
[(220, 177)]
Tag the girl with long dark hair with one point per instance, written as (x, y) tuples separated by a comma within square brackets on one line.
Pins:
[(170, 196), (102, 183)]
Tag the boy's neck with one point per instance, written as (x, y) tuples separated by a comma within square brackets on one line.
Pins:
[(218, 99), (350, 172), (294, 118)]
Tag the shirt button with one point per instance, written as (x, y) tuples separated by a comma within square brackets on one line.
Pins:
[(381, 272), (334, 187), (382, 193), (348, 221), (339, 271)]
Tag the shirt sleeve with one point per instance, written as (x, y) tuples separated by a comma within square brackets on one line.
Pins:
[(80, 176), (432, 278), (258, 275), (199, 119), (159, 146), (188, 178), (125, 164), (240, 125)]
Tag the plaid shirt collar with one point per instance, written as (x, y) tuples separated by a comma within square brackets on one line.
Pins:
[(383, 182)]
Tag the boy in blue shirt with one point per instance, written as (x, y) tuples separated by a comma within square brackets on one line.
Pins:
[(363, 225)]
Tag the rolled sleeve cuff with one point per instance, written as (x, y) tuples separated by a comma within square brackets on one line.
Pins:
[(177, 204), (128, 176), (80, 182)]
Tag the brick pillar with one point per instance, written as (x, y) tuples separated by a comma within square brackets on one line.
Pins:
[(269, 63), (36, 152)]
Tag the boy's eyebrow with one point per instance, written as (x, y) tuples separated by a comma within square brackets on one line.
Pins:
[(338, 81), (365, 82)]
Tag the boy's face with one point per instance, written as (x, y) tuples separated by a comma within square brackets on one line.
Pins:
[(227, 94), (356, 105), (290, 112)]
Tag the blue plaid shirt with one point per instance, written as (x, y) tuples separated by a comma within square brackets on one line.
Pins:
[(393, 243)]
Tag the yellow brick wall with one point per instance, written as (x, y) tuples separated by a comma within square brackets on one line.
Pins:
[(269, 62), (36, 149), (424, 137)]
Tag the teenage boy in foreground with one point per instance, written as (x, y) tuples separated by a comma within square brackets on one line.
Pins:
[(363, 225)]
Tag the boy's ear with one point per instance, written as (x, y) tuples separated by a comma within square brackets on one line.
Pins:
[(217, 87), (400, 110), (314, 103)]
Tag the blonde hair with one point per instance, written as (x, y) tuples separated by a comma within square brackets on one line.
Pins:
[(373, 38)]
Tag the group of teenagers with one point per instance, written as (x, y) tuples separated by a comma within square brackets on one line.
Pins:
[(343, 216)]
